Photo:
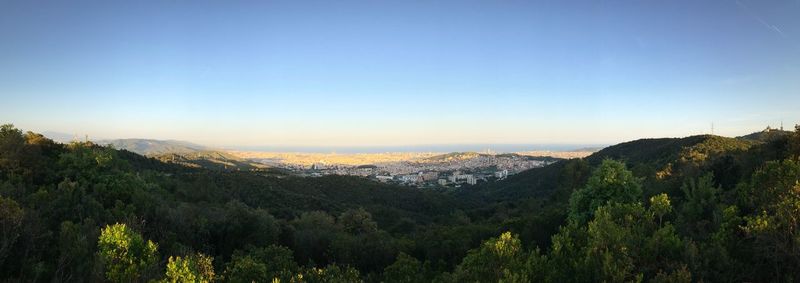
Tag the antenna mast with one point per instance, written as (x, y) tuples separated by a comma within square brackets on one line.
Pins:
[(712, 128)]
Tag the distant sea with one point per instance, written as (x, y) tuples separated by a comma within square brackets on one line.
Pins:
[(495, 148)]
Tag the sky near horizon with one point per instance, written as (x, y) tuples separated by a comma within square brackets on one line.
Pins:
[(382, 73)]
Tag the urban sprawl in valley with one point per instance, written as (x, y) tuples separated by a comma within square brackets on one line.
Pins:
[(413, 169)]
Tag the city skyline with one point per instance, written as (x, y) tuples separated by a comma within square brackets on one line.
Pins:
[(358, 73)]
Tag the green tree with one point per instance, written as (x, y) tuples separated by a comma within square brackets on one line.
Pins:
[(247, 269), (330, 274), (769, 185), (357, 221), (496, 259), (626, 244), (681, 275), (195, 268), (370, 252), (261, 265), (11, 216), (312, 236), (774, 225), (76, 244), (242, 226), (794, 142), (125, 254), (613, 236), (660, 206), (11, 147), (567, 252), (611, 182), (701, 206), (406, 269)]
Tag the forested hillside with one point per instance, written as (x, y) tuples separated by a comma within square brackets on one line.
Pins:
[(150, 147), (183, 153), (701, 208)]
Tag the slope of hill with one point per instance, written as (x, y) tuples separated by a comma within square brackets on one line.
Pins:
[(535, 202), (184, 153), (661, 152), (153, 147), (209, 159), (646, 157), (765, 135)]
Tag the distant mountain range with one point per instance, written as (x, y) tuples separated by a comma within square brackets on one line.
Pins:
[(183, 153), (151, 147), (145, 147)]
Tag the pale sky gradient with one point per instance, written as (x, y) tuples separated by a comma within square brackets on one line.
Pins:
[(367, 73)]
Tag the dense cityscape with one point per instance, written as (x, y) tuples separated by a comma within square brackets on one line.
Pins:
[(451, 170)]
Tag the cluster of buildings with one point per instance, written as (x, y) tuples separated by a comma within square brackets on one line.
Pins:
[(435, 172)]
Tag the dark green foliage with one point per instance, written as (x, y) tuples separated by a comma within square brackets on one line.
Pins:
[(312, 236), (76, 249), (261, 265), (497, 259), (11, 216), (357, 221), (241, 226), (609, 183), (702, 208), (329, 274), (773, 227), (406, 269), (794, 143)]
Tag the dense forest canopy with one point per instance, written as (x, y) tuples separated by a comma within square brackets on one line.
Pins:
[(701, 208)]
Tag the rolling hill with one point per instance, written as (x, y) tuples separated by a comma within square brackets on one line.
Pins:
[(646, 157), (209, 159), (184, 153), (766, 135), (149, 147)]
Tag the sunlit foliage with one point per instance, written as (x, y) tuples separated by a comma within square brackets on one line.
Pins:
[(194, 268), (125, 254)]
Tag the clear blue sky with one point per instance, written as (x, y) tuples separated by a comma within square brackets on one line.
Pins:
[(361, 73)]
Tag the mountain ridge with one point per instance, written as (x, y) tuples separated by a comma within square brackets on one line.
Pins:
[(153, 146)]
